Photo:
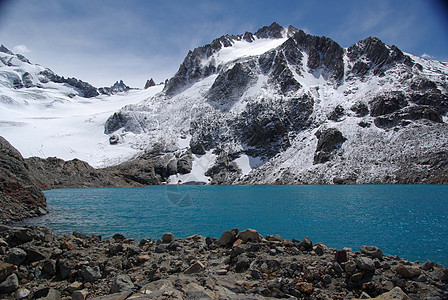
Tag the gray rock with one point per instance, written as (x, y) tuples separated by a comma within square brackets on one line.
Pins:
[(80, 295), (16, 256), (427, 265), (196, 267), (372, 251), (22, 293), (47, 293), (249, 235), (10, 285), (329, 141), (228, 238), (49, 266), (121, 283), (160, 248), (407, 271), (65, 268), (90, 274), (242, 264), (306, 244), (168, 238), (6, 269), (365, 263), (350, 266)]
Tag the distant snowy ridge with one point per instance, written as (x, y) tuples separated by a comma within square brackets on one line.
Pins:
[(277, 106)]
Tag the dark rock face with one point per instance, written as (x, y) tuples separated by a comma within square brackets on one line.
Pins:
[(118, 87), (230, 86), (5, 50), (149, 83), (87, 90), (27, 80), (323, 53), (387, 103), (272, 31), (21, 198), (379, 57), (329, 141)]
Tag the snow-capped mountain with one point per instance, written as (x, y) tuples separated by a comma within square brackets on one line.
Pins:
[(45, 115), (282, 106), (277, 106)]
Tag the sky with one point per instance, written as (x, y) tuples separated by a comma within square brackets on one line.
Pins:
[(102, 41)]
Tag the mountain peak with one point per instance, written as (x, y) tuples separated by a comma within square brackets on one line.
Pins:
[(272, 31), (5, 50)]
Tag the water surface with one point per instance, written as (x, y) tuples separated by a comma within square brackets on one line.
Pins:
[(406, 220)]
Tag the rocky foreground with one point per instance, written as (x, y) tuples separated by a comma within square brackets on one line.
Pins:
[(36, 264)]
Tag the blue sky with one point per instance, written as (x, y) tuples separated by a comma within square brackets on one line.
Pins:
[(102, 41)]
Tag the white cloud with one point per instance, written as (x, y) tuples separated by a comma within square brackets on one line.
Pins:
[(22, 49)]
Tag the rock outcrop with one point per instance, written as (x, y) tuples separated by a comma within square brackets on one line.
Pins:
[(19, 196), (240, 265)]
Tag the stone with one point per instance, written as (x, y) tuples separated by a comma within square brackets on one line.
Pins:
[(275, 238), (16, 256), (49, 266), (365, 264), (394, 294), (118, 237), (121, 283), (34, 255), (242, 264), (196, 267), (305, 287), (160, 248), (341, 256), (364, 295), (326, 279), (47, 293), (143, 258), (356, 277), (75, 286), (407, 271), (319, 250), (167, 238), (6, 269), (80, 295), (228, 238), (10, 285), (372, 251), (90, 274), (427, 265), (221, 272), (306, 244), (22, 293), (65, 268), (67, 245), (114, 249)]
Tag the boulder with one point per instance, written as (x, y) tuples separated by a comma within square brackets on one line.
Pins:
[(121, 283), (47, 293), (6, 269), (365, 264), (228, 238), (306, 244), (16, 256), (372, 251), (196, 267), (10, 285), (249, 235), (168, 238), (395, 294), (90, 274), (407, 271), (329, 141), (22, 293)]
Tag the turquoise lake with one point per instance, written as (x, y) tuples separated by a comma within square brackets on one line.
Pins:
[(410, 221)]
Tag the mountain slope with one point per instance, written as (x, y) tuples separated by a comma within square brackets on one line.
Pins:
[(274, 106), (282, 106), (45, 115)]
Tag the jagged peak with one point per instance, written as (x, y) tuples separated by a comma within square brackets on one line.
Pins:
[(272, 31), (149, 83), (5, 50)]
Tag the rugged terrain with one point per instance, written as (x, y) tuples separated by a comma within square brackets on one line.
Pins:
[(239, 265), (282, 106), (278, 106), (19, 196)]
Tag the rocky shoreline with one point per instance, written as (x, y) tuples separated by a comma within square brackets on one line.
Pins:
[(36, 264)]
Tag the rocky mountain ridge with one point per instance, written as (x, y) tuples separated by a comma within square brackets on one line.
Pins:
[(283, 106)]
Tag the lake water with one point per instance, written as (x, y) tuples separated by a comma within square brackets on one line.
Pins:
[(410, 221)]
